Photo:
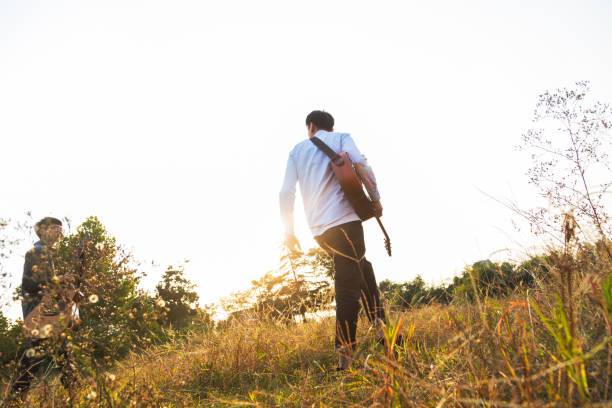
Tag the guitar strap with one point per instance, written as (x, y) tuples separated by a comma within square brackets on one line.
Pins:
[(335, 157)]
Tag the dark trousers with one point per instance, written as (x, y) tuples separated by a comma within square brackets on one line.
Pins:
[(354, 280), (29, 365)]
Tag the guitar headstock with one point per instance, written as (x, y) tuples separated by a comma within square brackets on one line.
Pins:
[(388, 245), (387, 240)]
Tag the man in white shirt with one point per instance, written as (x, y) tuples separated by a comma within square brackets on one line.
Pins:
[(335, 225)]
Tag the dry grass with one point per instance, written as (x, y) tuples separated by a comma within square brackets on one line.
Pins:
[(523, 350)]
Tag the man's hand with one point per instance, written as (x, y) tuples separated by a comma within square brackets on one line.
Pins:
[(377, 208), (292, 244)]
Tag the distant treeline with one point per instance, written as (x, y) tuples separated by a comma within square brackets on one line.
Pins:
[(485, 277), (305, 285)]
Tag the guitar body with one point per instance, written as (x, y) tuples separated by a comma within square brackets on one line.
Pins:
[(352, 187), (48, 318)]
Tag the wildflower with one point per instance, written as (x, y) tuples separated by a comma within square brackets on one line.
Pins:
[(161, 302), (55, 279), (46, 330), (92, 394), (30, 352), (100, 246), (111, 377), (93, 298)]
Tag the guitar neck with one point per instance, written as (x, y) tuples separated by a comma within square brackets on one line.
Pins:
[(387, 239), (382, 227)]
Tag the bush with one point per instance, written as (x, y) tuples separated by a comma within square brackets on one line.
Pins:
[(177, 297)]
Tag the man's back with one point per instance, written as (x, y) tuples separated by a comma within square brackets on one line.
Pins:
[(324, 202), (37, 269), (335, 225)]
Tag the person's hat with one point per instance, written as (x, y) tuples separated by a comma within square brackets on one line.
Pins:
[(44, 223)]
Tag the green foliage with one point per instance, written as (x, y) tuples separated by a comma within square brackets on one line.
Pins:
[(177, 297), (116, 316), (567, 344), (488, 278), (413, 293), (11, 340), (301, 285)]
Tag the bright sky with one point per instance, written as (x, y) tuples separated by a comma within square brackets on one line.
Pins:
[(172, 121)]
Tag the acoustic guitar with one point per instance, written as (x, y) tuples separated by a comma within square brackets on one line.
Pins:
[(57, 310), (50, 318), (352, 186)]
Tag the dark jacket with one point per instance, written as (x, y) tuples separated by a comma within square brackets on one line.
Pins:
[(37, 271)]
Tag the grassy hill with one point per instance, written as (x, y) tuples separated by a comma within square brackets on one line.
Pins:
[(523, 350)]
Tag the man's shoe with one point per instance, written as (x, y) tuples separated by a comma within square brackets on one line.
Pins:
[(345, 358)]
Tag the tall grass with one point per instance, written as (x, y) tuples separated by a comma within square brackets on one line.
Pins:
[(540, 348)]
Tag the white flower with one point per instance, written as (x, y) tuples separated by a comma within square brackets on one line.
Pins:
[(111, 377), (30, 352), (93, 298), (92, 394), (46, 330), (160, 302), (100, 246), (35, 333)]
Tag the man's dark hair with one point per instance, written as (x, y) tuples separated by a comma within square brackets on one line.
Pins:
[(321, 119), (44, 223)]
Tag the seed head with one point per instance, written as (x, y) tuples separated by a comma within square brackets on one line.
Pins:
[(46, 330)]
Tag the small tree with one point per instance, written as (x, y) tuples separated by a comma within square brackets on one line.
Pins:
[(302, 284), (177, 297), (116, 316), (12, 345), (570, 159), (571, 169)]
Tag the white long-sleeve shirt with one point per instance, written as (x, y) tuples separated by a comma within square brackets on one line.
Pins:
[(324, 201)]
